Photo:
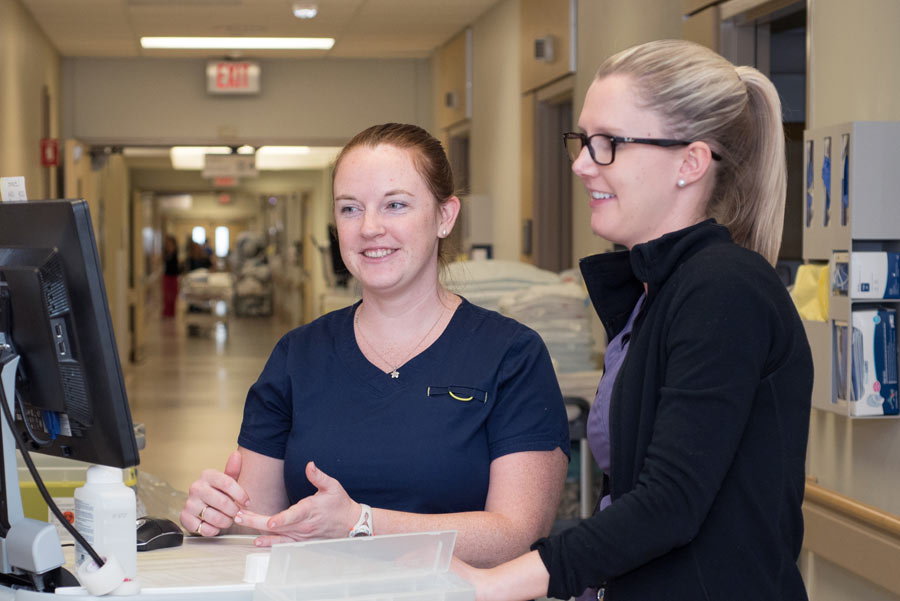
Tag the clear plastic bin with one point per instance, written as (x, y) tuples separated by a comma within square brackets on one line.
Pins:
[(399, 567)]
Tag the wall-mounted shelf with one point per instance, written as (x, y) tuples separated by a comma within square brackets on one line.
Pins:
[(852, 206)]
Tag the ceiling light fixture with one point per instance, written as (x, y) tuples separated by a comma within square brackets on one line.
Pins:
[(236, 43), (305, 11), (193, 157)]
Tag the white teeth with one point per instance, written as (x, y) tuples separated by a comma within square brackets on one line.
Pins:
[(601, 195), (377, 254)]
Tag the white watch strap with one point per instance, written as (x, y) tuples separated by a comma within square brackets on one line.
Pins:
[(364, 526)]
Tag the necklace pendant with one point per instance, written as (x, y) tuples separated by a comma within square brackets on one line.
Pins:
[(395, 374)]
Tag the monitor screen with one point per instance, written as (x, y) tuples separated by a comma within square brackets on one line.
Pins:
[(54, 312)]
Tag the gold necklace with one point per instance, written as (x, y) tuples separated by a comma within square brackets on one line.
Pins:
[(395, 369)]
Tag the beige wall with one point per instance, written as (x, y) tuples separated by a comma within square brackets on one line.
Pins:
[(314, 102), (853, 75), (28, 62), (496, 105), (853, 64), (545, 19), (450, 80)]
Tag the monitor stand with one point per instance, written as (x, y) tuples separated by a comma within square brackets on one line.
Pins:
[(30, 550)]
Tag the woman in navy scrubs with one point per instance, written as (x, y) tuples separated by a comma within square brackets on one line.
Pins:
[(412, 410)]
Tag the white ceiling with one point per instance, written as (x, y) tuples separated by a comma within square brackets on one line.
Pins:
[(361, 28)]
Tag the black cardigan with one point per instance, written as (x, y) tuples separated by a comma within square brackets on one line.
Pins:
[(709, 420)]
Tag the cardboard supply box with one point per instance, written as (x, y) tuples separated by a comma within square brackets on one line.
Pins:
[(875, 275), (873, 347)]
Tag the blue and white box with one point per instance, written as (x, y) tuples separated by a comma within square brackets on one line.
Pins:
[(873, 349), (875, 275)]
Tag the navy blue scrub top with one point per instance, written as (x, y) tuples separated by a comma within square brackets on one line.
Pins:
[(422, 442)]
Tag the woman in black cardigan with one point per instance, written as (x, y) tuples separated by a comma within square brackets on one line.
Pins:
[(701, 421)]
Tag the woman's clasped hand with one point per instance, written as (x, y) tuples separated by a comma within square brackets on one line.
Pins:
[(329, 513)]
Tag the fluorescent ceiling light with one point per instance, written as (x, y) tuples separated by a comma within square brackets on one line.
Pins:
[(192, 157), (274, 158), (238, 43), (275, 150), (268, 158), (305, 11), (145, 151)]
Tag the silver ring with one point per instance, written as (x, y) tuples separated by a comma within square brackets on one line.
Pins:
[(205, 507)]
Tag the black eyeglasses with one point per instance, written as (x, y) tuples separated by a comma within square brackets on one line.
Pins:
[(602, 147)]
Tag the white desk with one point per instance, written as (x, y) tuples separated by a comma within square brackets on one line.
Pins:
[(202, 568)]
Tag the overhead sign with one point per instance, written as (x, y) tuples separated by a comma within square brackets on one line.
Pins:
[(232, 77), (225, 182), (229, 165)]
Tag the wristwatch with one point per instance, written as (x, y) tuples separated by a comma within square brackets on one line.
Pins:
[(363, 525)]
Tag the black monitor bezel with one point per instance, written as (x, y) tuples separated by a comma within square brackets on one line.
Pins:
[(65, 225)]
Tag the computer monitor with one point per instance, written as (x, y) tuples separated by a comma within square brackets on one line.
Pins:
[(59, 365), (70, 380)]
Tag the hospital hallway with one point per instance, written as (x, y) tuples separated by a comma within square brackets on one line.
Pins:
[(189, 391)]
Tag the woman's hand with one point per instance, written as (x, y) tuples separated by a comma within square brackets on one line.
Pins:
[(215, 499), (522, 578), (330, 513)]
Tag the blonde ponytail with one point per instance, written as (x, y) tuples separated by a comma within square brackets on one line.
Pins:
[(736, 110), (759, 215)]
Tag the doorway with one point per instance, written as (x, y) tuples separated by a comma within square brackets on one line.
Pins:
[(553, 184), (775, 43)]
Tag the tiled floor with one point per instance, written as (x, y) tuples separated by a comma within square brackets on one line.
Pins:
[(189, 392)]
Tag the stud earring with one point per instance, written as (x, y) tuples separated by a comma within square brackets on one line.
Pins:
[(443, 233), (681, 183)]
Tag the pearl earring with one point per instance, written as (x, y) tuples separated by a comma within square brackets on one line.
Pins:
[(681, 183), (443, 233)]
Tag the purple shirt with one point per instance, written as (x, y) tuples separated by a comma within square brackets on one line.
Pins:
[(598, 418)]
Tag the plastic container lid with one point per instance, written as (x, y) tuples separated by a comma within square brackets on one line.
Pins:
[(104, 474), (363, 558)]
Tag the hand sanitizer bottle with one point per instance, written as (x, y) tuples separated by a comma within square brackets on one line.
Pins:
[(105, 516)]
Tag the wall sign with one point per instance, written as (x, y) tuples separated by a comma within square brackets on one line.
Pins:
[(229, 165), (49, 152), (232, 77)]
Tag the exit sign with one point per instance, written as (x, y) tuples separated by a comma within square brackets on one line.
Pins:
[(232, 77)]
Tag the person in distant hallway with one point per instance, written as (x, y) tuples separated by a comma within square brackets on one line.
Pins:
[(702, 415), (411, 410), (198, 258), (171, 269)]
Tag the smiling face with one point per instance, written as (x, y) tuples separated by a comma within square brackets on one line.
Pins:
[(633, 200), (388, 220)]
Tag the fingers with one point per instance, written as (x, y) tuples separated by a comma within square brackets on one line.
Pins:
[(320, 479), (195, 525), (214, 500), (227, 483), (252, 520), (292, 518), (233, 465), (219, 490), (267, 540)]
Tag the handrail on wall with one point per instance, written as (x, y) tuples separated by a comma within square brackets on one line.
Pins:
[(867, 514)]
